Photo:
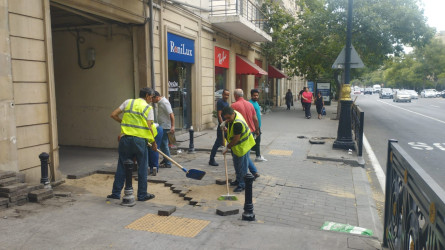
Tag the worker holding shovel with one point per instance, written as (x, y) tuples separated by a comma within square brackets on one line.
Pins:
[(240, 141), (136, 129)]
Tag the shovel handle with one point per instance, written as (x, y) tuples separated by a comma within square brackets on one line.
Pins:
[(168, 158)]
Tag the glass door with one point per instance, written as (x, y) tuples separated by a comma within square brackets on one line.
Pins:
[(179, 83)]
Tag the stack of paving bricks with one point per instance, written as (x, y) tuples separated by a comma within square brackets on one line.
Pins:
[(13, 190)]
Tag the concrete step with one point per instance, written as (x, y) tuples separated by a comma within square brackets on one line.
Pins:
[(8, 181), (7, 174)]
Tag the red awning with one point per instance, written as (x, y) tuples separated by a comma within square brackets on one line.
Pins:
[(246, 67), (276, 73)]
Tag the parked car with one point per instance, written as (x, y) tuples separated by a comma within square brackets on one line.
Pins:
[(413, 94), (368, 91), (386, 93), (402, 96), (427, 93)]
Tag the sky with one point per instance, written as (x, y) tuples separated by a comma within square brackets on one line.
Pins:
[(435, 12)]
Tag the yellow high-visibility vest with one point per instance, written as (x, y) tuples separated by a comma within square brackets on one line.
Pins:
[(134, 121), (246, 141)]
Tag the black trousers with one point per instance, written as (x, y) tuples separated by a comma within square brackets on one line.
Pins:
[(256, 148), (307, 109)]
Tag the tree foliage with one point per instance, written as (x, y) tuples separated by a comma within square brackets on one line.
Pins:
[(424, 68), (310, 45)]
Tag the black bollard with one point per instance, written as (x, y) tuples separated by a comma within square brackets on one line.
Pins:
[(191, 144), (248, 214), (128, 199), (44, 169)]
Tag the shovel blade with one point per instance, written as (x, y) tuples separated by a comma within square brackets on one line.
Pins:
[(195, 174)]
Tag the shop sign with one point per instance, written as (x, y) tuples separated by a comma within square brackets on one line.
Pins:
[(180, 48), (221, 58)]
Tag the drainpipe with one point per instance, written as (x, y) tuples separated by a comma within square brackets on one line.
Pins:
[(152, 59)]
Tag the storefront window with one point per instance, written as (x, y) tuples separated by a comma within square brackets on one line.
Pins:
[(181, 57), (179, 90)]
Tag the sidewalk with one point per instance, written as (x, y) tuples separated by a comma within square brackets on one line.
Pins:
[(292, 199)]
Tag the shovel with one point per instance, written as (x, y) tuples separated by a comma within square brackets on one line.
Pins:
[(191, 173)]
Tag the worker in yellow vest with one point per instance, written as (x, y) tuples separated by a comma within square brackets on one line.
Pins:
[(137, 128), (240, 141)]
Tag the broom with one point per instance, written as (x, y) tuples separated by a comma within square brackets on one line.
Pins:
[(228, 196)]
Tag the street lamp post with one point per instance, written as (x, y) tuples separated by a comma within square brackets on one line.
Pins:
[(344, 132)]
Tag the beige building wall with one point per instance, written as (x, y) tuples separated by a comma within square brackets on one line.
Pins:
[(31, 66), (86, 97)]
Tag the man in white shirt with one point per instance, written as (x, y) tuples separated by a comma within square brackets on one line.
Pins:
[(166, 120)]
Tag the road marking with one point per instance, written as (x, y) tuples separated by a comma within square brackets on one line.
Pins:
[(435, 106), (375, 164), (432, 118)]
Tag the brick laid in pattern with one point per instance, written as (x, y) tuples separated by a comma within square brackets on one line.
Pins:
[(224, 211), (13, 188), (8, 181), (7, 174), (40, 195)]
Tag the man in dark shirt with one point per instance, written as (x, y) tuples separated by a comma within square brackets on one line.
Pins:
[(219, 138), (300, 95)]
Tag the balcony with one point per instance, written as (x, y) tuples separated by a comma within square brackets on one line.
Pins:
[(241, 18)]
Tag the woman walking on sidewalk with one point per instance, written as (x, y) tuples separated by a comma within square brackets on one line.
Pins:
[(319, 104), (307, 101)]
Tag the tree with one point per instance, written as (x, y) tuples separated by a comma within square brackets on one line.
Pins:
[(380, 28)]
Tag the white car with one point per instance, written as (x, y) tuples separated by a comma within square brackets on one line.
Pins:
[(413, 94), (426, 93), (402, 96)]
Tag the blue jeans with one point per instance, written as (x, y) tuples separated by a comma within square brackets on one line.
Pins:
[(153, 156), (241, 164), (130, 147), (217, 144), (251, 166), (164, 146)]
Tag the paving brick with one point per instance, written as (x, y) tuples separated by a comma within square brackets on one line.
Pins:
[(21, 177), (7, 174), (168, 184), (224, 211), (166, 211), (4, 201), (62, 194), (41, 198), (156, 180), (13, 188), (8, 181), (188, 198), (35, 187), (17, 198), (57, 183), (177, 190), (22, 202), (193, 202), (40, 193), (183, 193)]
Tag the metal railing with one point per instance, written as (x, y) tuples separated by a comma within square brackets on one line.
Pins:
[(414, 204), (357, 123), (244, 8)]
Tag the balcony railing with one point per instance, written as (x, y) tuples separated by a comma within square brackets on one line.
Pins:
[(243, 8)]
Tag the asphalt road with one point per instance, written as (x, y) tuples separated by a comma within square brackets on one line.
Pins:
[(419, 127)]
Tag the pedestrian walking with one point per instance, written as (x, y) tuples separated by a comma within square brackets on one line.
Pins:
[(319, 103), (289, 99), (166, 120), (247, 110), (300, 96), (222, 103), (307, 100), (240, 141), (255, 94), (136, 129)]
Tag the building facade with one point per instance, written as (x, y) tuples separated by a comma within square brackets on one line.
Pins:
[(67, 64)]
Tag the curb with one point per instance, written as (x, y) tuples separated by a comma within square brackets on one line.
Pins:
[(354, 163), (366, 208)]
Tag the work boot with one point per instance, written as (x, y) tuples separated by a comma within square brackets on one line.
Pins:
[(234, 183), (213, 163)]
